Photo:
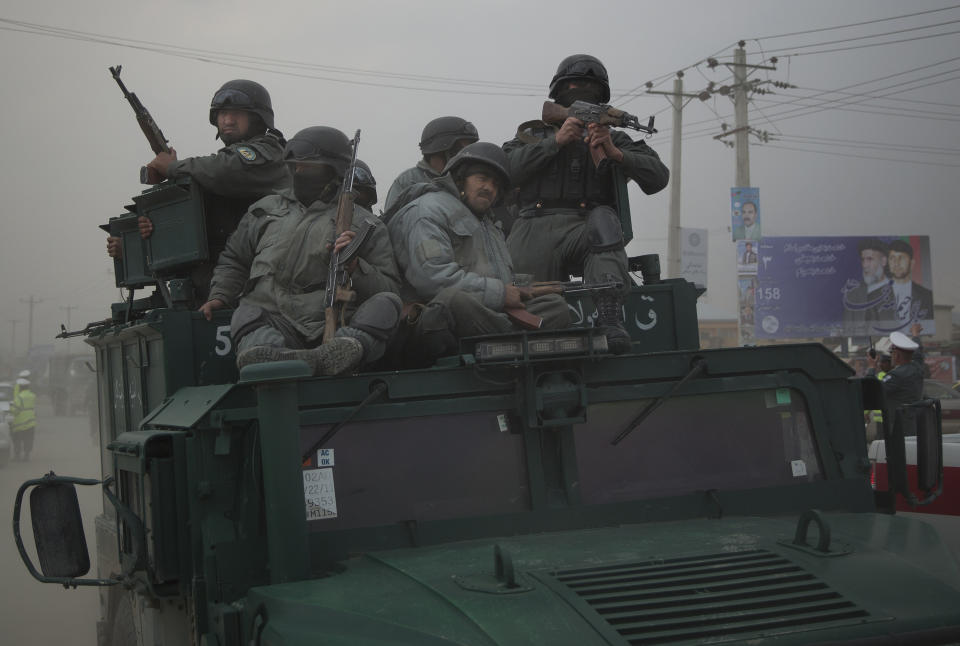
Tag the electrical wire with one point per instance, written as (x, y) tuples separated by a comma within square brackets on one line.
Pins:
[(860, 24)]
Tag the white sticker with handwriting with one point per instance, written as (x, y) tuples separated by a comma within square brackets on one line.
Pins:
[(799, 468), (319, 494)]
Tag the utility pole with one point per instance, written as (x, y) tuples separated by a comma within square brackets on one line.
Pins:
[(673, 225), (13, 338), (31, 302), (742, 141), (741, 89)]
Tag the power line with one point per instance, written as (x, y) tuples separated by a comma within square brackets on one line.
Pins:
[(859, 24), (856, 38), (856, 143), (903, 161), (852, 47)]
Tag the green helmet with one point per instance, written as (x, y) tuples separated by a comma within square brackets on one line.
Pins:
[(241, 94), (320, 145), (481, 152), (441, 133), (581, 66)]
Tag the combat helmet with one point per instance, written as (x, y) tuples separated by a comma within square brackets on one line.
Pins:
[(581, 66), (320, 145), (363, 179), (241, 94), (481, 152), (441, 133)]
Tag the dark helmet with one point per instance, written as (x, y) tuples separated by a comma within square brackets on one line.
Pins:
[(441, 133), (363, 178), (482, 152), (320, 145), (241, 94), (581, 66)]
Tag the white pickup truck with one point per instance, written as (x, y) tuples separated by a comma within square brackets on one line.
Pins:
[(948, 502)]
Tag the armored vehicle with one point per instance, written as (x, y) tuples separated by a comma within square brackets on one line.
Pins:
[(531, 489)]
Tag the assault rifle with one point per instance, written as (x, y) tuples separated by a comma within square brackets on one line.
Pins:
[(338, 292), (605, 115), (158, 143), (530, 321)]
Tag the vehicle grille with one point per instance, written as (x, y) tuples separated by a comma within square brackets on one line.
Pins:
[(713, 596)]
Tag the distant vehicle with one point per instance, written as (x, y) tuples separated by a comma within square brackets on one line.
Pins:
[(6, 391), (6, 395), (949, 403), (69, 383)]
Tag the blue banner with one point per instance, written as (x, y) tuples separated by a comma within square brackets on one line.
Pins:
[(812, 287)]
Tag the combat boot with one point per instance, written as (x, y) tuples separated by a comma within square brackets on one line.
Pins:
[(340, 355), (610, 321)]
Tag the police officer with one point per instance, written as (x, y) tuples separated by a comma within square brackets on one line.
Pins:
[(903, 384), (454, 258), (274, 268), (569, 223), (23, 409), (247, 168), (364, 185), (441, 139)]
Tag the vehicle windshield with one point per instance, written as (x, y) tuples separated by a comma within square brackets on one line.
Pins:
[(721, 441), (458, 466)]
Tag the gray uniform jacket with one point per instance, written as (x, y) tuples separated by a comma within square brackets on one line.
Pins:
[(252, 169), (420, 173), (903, 384), (277, 259), (640, 162), (440, 243)]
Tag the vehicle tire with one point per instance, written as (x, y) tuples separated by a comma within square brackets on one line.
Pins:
[(121, 628)]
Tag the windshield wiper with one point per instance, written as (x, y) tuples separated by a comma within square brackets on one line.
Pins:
[(698, 367)]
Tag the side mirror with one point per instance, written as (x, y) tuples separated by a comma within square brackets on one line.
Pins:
[(57, 531), (922, 419)]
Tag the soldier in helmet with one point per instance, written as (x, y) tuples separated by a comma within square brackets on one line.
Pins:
[(455, 259), (274, 268), (247, 168), (442, 138), (364, 185), (569, 222)]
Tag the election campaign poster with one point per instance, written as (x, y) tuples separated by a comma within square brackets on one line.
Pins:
[(693, 255), (812, 287), (745, 213)]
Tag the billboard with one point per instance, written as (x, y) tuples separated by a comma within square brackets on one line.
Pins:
[(811, 287)]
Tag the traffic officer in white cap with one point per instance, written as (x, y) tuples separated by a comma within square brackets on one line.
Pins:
[(904, 383)]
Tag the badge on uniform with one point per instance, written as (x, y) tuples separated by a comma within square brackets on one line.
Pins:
[(247, 152)]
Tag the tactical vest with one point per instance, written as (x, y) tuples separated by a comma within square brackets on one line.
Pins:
[(570, 180)]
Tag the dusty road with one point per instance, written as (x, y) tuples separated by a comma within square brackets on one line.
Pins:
[(32, 612)]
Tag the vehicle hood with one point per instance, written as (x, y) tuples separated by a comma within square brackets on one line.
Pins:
[(728, 580)]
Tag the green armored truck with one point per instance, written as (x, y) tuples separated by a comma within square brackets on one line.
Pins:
[(531, 489)]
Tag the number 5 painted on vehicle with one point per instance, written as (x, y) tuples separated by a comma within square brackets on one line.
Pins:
[(224, 345)]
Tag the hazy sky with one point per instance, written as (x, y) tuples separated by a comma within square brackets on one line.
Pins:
[(875, 166)]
